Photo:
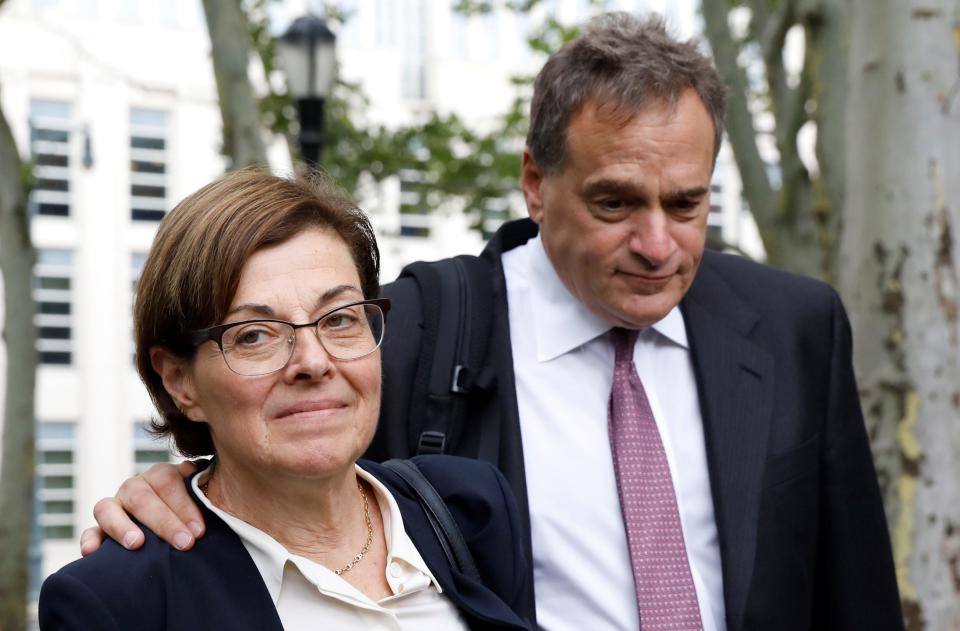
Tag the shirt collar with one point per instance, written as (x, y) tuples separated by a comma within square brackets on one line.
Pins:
[(271, 557), (565, 324), (267, 553), (399, 545)]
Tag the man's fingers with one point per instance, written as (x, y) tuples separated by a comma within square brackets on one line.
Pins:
[(90, 540), (115, 523), (168, 483), (144, 497)]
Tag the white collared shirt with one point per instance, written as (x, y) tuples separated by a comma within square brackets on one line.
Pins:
[(563, 362), (309, 596)]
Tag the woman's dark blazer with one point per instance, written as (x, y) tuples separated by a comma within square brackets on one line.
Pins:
[(217, 586)]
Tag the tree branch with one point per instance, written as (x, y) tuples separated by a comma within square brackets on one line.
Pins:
[(239, 106), (740, 131)]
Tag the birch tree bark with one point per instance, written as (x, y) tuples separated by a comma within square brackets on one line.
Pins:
[(19, 337), (231, 48), (898, 275)]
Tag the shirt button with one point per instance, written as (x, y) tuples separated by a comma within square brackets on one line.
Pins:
[(400, 588), (395, 569)]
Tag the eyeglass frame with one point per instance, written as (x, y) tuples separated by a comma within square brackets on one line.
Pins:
[(215, 333)]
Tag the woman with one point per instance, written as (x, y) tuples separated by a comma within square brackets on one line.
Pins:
[(257, 336)]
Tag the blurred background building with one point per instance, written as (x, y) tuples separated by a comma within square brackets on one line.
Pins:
[(114, 104)]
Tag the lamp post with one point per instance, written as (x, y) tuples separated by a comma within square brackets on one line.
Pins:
[(307, 51)]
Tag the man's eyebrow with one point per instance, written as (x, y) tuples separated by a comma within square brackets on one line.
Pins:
[(617, 187), (687, 193), (268, 312)]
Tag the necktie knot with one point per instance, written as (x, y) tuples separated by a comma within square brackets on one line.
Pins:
[(623, 342)]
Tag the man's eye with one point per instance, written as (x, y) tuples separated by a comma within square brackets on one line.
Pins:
[(685, 206), (611, 205)]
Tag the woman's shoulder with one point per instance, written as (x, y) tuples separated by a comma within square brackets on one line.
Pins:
[(213, 585), (452, 476), (110, 589)]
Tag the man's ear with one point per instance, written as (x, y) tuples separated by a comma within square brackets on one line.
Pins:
[(177, 380), (531, 179)]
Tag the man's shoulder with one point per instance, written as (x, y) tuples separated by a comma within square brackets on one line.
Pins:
[(758, 282)]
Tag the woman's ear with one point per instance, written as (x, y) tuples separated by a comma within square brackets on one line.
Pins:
[(177, 380)]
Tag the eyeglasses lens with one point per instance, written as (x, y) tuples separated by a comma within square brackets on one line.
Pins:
[(263, 347)]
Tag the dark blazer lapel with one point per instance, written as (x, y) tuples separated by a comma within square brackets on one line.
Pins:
[(466, 593), (735, 382), (219, 577)]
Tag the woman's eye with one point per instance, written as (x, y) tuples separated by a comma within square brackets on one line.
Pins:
[(338, 321), (251, 337)]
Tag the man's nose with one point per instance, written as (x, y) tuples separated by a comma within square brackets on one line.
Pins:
[(650, 237)]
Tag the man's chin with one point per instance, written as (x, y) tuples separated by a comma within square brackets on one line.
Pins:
[(640, 311)]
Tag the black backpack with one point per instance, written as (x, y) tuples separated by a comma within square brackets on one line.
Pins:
[(447, 366), (456, 298)]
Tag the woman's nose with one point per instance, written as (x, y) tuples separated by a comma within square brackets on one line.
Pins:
[(309, 358)]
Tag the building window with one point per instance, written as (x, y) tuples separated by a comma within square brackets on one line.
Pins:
[(414, 213), (148, 164), (55, 479), (137, 260), (716, 200), (50, 125), (53, 295), (413, 51), (148, 449)]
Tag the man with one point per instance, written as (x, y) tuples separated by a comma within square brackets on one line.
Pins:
[(693, 453)]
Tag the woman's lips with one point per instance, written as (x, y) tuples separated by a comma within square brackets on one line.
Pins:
[(305, 408)]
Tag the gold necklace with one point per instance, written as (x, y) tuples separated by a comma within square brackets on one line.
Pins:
[(366, 546), (366, 517)]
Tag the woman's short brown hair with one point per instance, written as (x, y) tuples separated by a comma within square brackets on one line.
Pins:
[(194, 266)]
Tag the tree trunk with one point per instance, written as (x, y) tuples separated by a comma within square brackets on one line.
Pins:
[(19, 336), (827, 28), (898, 275), (785, 216), (231, 49)]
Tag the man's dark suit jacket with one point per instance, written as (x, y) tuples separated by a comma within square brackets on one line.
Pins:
[(803, 537), (217, 586)]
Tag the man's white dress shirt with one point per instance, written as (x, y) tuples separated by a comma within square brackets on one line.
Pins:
[(563, 361), (308, 596)]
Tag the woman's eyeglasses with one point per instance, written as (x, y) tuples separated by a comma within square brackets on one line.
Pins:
[(260, 347)]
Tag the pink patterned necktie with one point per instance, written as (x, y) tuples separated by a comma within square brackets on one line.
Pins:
[(665, 593)]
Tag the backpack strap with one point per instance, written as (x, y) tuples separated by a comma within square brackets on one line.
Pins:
[(448, 532), (456, 296)]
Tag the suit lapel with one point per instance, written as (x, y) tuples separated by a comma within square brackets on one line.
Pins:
[(468, 595), (735, 383)]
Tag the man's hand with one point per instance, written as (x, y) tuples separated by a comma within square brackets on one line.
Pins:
[(159, 500)]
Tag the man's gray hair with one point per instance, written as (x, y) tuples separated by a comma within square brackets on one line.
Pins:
[(623, 61)]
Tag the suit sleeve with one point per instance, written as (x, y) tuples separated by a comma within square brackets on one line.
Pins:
[(856, 584), (67, 604)]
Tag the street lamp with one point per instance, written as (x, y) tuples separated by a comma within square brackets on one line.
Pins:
[(307, 51)]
